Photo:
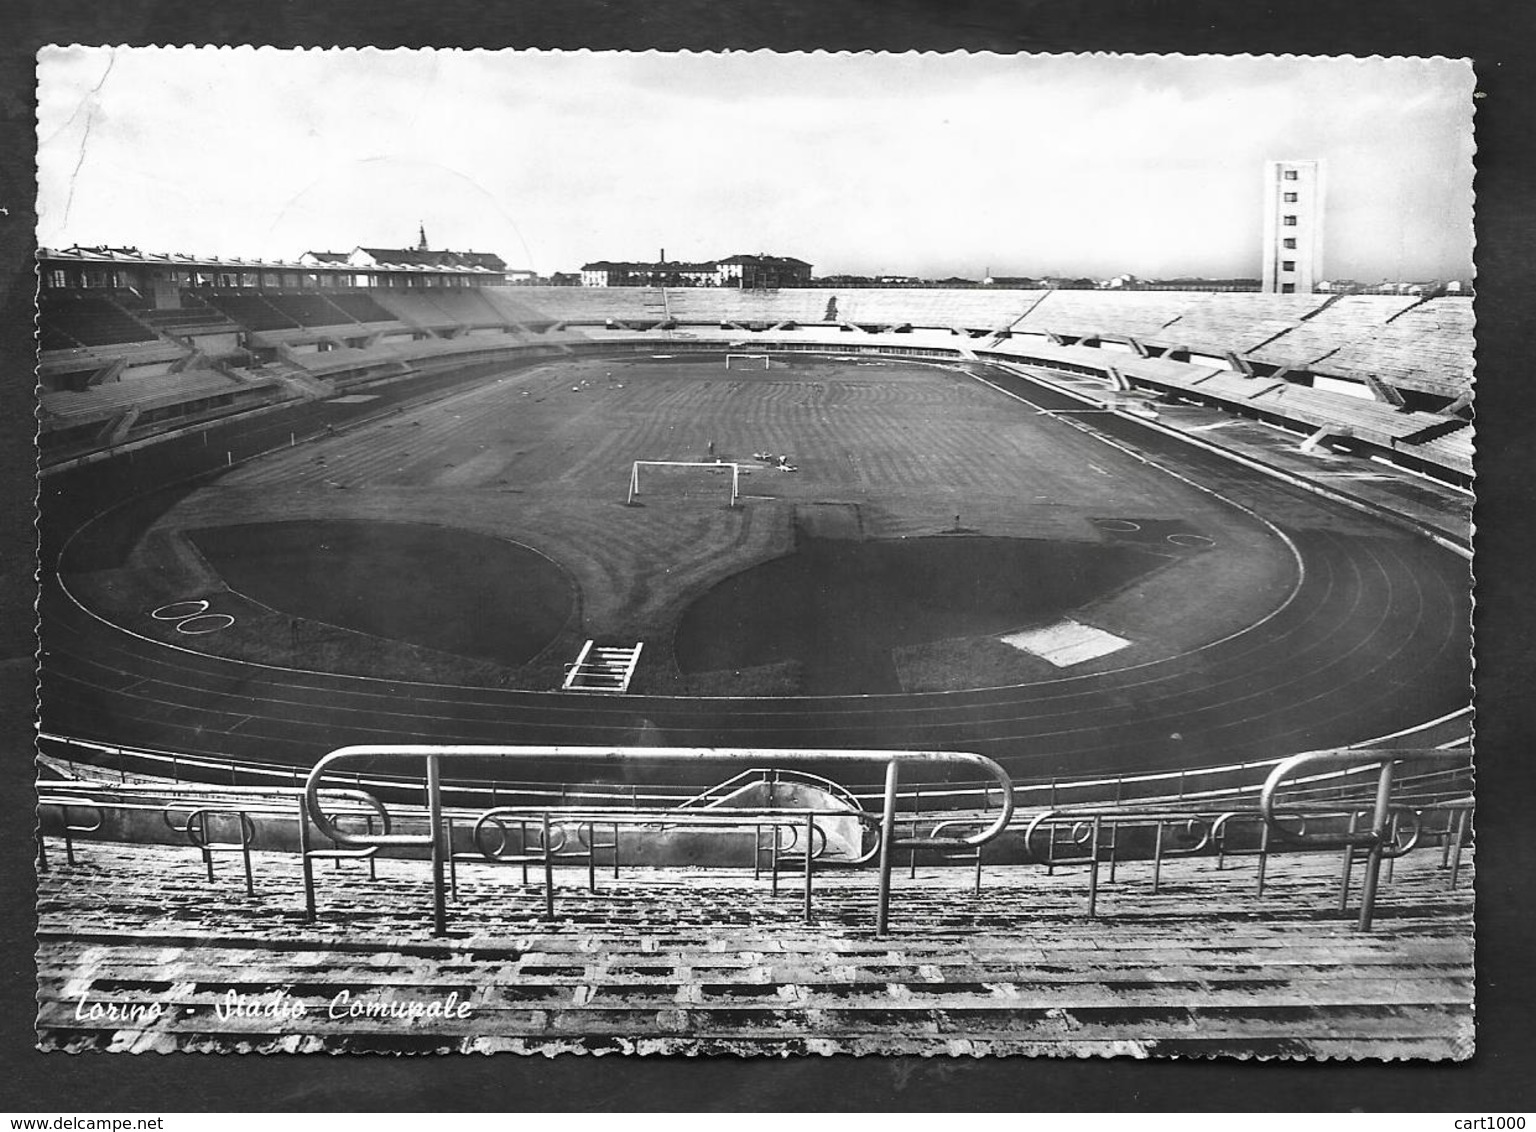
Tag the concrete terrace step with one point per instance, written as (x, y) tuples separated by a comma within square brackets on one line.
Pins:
[(708, 961)]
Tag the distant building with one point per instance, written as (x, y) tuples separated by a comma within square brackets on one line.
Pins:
[(1293, 227), (662, 273), (749, 272), (413, 267), (763, 270)]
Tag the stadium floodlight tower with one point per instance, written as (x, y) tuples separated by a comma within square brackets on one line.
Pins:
[(1293, 226)]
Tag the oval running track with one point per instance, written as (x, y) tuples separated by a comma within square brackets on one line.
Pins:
[(1375, 639)]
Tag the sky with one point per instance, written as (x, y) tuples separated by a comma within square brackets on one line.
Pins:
[(912, 164)]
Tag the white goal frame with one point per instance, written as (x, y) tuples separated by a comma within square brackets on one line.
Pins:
[(767, 359), (717, 465)]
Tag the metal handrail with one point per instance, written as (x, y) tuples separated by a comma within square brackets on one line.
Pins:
[(1081, 820), (553, 836), (713, 817), (434, 756), (64, 806), (1380, 840), (709, 799), (196, 830), (1193, 783)]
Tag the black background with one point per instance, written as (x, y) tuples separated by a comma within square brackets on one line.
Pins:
[(1501, 1078)]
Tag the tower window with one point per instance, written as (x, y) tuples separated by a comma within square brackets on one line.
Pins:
[(1290, 242), (1288, 265), (1287, 288), (1290, 222), (1290, 174), (1290, 198)]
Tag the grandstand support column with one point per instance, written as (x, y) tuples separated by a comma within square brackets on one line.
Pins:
[(110, 372), (1118, 381), (887, 835), (118, 427), (1384, 392), (1314, 442), (1241, 364)]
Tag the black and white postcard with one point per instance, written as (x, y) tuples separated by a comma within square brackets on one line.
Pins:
[(755, 553)]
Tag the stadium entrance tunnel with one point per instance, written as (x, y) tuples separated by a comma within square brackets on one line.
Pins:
[(443, 588), (838, 610)]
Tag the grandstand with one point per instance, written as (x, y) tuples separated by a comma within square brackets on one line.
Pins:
[(1173, 909), (1177, 926)]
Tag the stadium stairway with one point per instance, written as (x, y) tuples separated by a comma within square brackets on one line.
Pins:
[(687, 960)]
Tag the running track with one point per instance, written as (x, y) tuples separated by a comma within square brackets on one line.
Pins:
[(1375, 639)]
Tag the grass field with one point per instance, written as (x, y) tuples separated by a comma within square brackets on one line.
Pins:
[(541, 458)]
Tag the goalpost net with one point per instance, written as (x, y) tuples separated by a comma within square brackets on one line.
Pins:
[(748, 361), (677, 479)]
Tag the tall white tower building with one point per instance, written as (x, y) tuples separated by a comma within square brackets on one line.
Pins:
[(1293, 226)]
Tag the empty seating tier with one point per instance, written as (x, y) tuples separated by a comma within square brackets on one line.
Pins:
[(1131, 313), (87, 320), (584, 304), (181, 320), (101, 402), (1238, 322), (360, 306), (253, 312), (1427, 347), (1336, 323), (704, 960), (309, 310)]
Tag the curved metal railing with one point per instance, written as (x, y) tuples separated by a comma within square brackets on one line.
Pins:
[(1230, 784), (435, 756), (1383, 837), (68, 828), (769, 776), (1097, 831)]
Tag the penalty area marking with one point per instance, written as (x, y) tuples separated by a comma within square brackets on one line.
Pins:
[(1066, 643)]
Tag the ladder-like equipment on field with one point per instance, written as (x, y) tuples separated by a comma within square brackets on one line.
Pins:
[(602, 669)]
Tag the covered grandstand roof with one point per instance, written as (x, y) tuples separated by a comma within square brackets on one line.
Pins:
[(103, 254)]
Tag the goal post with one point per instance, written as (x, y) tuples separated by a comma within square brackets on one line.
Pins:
[(745, 361), (713, 465)]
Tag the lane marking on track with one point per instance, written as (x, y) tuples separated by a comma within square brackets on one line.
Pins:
[(968, 691)]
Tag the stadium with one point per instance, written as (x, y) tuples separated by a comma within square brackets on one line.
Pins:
[(430, 663)]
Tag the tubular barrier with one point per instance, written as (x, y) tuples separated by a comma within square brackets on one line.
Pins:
[(1384, 838), (434, 756)]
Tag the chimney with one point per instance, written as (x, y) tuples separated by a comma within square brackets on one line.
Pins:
[(663, 255)]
